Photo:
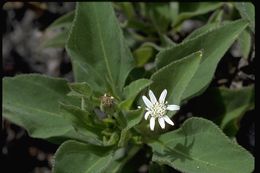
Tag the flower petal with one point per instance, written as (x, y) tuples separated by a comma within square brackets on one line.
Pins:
[(173, 107), (168, 120), (163, 96), (152, 97), (147, 102), (146, 115), (152, 123), (161, 122)]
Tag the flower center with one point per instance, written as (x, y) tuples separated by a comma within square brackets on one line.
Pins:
[(158, 110)]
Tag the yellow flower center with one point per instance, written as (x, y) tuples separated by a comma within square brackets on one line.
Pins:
[(158, 110)]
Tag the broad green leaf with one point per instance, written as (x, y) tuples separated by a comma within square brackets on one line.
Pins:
[(175, 77), (63, 21), (214, 45), (189, 10), (83, 123), (97, 48), (143, 54), (199, 146), (132, 90), (244, 41), (57, 41), (247, 11), (78, 157), (31, 101)]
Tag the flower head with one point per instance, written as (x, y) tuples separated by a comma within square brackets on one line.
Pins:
[(158, 109)]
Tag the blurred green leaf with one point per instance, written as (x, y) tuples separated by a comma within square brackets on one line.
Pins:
[(78, 157), (202, 30), (31, 101), (166, 41), (59, 30), (160, 15), (229, 106), (99, 57), (141, 26), (214, 45), (57, 41), (244, 41), (81, 88), (190, 10), (216, 17), (247, 11), (236, 103), (143, 54), (200, 146), (174, 11), (175, 77), (128, 9)]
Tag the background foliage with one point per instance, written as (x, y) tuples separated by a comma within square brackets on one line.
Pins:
[(203, 53)]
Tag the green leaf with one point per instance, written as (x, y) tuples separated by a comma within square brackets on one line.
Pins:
[(83, 123), (175, 77), (216, 17), (160, 15), (57, 41), (31, 101), (59, 31), (143, 54), (190, 10), (201, 31), (245, 43), (247, 11), (132, 90), (78, 157), (199, 146), (166, 41), (214, 45), (97, 48), (140, 25), (81, 88), (128, 9), (174, 10), (235, 103)]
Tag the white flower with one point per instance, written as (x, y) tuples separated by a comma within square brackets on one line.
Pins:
[(158, 109)]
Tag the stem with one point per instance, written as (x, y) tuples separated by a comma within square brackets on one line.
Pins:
[(82, 104)]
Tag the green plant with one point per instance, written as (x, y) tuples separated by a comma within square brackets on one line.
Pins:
[(96, 119)]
